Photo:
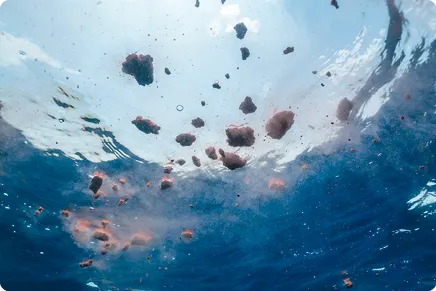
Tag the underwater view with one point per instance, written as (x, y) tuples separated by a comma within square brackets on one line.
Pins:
[(217, 145)]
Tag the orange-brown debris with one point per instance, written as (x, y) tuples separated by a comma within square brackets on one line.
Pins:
[(279, 124), (196, 161), (407, 96), (232, 161), (125, 247), (344, 108), (86, 264), (185, 139), (101, 234), (148, 184), (140, 239), (81, 225), (115, 187), (166, 183), (123, 181), (276, 184), (39, 210), (348, 283), (247, 106), (211, 153), (187, 234), (97, 195), (168, 169), (109, 246), (304, 166), (421, 167), (240, 136), (96, 183), (122, 201), (66, 212)]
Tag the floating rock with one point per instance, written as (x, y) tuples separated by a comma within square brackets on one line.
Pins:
[(288, 50), (196, 161), (203, 103), (140, 67), (245, 52), (279, 124), (168, 169), (167, 71), (180, 162), (108, 246), (348, 283), (240, 136), (314, 72), (241, 30), (95, 183), (334, 3), (216, 85), (122, 201), (187, 234), (125, 247), (197, 122), (115, 187), (328, 74), (276, 184), (166, 183), (104, 222), (197, 3), (211, 153), (39, 210), (66, 213), (141, 239), (122, 181), (185, 139), (232, 161), (146, 125), (86, 264), (223, 1), (101, 234), (227, 76), (344, 108), (247, 106)]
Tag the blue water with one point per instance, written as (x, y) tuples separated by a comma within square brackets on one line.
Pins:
[(345, 212)]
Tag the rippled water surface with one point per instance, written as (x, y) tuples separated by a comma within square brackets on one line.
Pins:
[(323, 179)]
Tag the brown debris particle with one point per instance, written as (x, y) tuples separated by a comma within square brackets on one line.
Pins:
[(65, 212), (344, 108), (241, 30), (185, 139), (304, 166), (245, 53), (166, 183), (148, 184), (115, 187), (407, 96), (187, 234), (247, 106), (140, 239), (276, 184), (123, 181), (334, 3), (96, 183), (146, 125), (402, 117), (180, 162), (108, 246), (374, 140), (348, 283), (168, 169), (39, 210), (101, 234), (196, 161), (211, 153), (125, 247), (86, 264), (288, 50), (105, 222), (197, 122), (421, 167), (240, 136), (232, 161), (122, 201), (140, 67), (279, 124)]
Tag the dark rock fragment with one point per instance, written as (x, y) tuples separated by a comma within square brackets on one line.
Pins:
[(196, 161), (95, 184), (211, 153), (245, 52), (232, 161), (197, 122), (247, 106), (279, 124), (146, 125), (140, 67), (167, 71), (240, 136), (185, 139), (288, 50), (344, 108), (241, 30)]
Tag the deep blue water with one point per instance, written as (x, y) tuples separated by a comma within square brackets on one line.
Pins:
[(343, 213)]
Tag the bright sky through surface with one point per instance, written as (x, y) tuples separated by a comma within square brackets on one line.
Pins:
[(80, 45)]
